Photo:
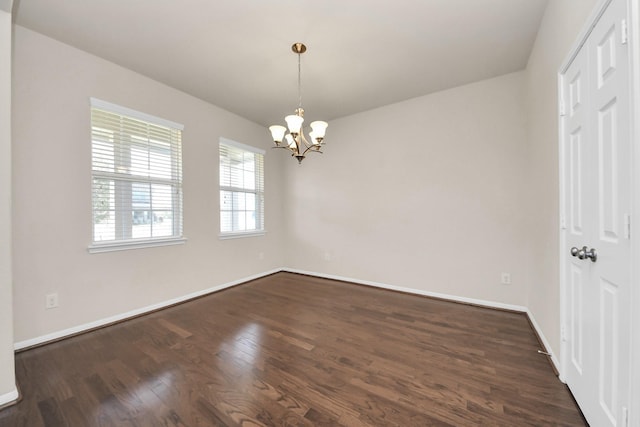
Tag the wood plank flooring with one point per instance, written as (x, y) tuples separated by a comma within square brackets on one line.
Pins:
[(293, 350)]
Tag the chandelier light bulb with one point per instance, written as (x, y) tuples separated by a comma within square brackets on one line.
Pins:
[(294, 123), (277, 132), (319, 128), (314, 138)]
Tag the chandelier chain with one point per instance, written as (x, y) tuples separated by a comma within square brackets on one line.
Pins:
[(299, 84)]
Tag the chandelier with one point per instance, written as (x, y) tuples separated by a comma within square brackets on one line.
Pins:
[(295, 141)]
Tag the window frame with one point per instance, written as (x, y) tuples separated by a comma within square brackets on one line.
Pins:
[(258, 192), (175, 182)]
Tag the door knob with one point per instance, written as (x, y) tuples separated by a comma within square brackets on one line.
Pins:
[(584, 253), (591, 254)]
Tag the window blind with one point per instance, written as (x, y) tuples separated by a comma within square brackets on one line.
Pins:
[(136, 165), (241, 188)]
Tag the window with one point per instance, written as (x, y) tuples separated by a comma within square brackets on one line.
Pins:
[(136, 172), (241, 190)]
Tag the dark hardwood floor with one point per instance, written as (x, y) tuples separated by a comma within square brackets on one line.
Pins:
[(292, 350)]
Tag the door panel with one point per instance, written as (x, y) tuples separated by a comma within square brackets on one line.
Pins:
[(576, 178), (575, 93), (608, 173), (576, 319), (609, 338), (596, 142), (606, 54)]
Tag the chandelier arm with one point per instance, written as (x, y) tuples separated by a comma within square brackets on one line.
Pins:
[(306, 143), (286, 147), (281, 146), (312, 150)]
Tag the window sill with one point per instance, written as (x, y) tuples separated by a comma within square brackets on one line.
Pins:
[(134, 244), (240, 235)]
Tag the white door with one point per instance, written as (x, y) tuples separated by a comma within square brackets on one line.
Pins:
[(596, 142)]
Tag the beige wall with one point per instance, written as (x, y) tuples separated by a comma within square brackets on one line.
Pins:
[(52, 83), (425, 194), (7, 377), (562, 22)]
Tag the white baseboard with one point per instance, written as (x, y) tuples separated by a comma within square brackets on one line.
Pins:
[(484, 303), (133, 313), (10, 397), (545, 343)]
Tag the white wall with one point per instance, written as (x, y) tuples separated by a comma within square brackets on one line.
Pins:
[(7, 377), (427, 194), (52, 83), (562, 22)]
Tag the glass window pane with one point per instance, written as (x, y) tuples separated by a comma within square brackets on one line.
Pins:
[(249, 180), (103, 198), (139, 161), (140, 196), (225, 175), (226, 222), (103, 210), (102, 153), (105, 229), (239, 221), (226, 200), (162, 223), (238, 201), (141, 227), (236, 177), (160, 160), (249, 162), (250, 218), (250, 203), (140, 210), (161, 197)]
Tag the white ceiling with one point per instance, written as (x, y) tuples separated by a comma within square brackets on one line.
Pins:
[(6, 5), (236, 54)]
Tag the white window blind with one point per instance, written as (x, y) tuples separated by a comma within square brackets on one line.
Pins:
[(241, 189), (136, 167)]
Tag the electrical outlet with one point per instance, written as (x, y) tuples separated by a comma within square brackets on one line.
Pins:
[(327, 256), (51, 301), (261, 255), (505, 279)]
